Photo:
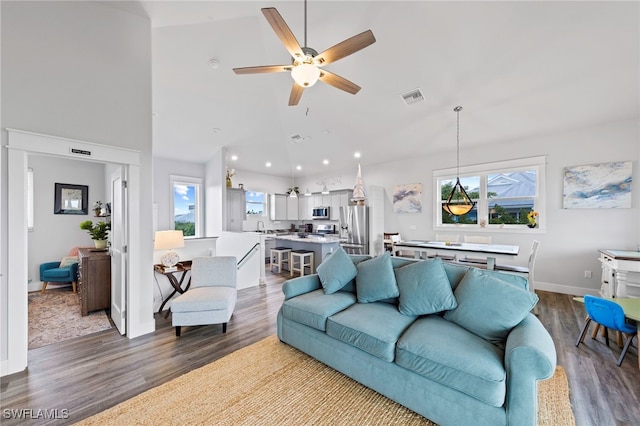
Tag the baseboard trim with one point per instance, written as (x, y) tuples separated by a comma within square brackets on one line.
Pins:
[(566, 289)]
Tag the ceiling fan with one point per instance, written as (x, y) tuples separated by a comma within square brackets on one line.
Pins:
[(306, 67)]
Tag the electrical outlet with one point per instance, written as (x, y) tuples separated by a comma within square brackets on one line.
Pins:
[(587, 274), (412, 227)]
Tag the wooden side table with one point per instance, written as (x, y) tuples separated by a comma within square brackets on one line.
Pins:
[(183, 268)]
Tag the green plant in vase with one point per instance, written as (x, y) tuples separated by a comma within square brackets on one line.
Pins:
[(99, 232)]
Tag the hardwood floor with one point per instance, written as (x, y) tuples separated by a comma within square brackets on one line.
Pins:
[(86, 375)]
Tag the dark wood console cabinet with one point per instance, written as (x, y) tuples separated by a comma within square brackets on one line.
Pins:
[(94, 280)]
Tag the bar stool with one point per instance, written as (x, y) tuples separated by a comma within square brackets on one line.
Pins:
[(303, 258), (279, 256)]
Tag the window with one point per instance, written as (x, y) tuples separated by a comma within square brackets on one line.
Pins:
[(504, 192), (255, 203), (186, 205)]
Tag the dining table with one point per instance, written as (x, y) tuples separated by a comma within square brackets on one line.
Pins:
[(422, 249)]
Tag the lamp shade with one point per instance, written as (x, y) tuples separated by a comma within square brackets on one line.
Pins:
[(167, 240), (305, 75)]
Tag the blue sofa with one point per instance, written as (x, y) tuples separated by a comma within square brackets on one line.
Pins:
[(476, 362)]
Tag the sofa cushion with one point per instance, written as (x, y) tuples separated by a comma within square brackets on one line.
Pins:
[(455, 273), (312, 309), (488, 306), (355, 258), (336, 271), (424, 288), (448, 354), (372, 327), (376, 280)]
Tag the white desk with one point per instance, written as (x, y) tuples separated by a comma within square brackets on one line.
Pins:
[(421, 248), (620, 273)]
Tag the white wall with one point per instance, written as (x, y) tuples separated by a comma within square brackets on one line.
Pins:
[(54, 235), (81, 70), (569, 245)]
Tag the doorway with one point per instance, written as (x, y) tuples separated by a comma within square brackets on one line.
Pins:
[(20, 145)]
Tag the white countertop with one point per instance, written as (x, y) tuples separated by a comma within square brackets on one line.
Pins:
[(310, 239)]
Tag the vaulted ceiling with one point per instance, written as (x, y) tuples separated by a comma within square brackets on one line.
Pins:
[(519, 69)]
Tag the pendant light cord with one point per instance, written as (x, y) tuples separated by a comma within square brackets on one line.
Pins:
[(457, 110)]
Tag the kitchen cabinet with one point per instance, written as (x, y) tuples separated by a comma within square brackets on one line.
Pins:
[(292, 208), (279, 206), (305, 207), (236, 209), (338, 199)]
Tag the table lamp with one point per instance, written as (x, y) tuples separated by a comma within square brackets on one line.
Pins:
[(169, 240)]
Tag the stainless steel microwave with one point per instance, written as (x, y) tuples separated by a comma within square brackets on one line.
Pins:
[(320, 213)]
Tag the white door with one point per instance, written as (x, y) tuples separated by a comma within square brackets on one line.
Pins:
[(118, 249)]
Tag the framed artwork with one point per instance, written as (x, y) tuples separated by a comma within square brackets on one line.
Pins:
[(597, 186), (71, 199), (407, 198)]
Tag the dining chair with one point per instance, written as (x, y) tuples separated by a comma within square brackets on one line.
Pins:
[(609, 315), (528, 270)]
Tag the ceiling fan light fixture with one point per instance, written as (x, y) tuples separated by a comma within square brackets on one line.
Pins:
[(305, 74)]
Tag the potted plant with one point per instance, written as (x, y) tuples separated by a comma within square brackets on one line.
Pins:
[(98, 231), (97, 208)]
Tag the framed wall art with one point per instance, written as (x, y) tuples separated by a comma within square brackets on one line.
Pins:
[(597, 186), (71, 199), (407, 198)]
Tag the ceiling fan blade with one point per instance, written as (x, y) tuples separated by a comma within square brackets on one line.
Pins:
[(262, 69), (345, 48), (296, 94), (283, 31), (339, 82)]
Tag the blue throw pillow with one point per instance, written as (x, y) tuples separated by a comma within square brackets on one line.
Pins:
[(424, 288), (489, 306), (336, 271), (376, 280)]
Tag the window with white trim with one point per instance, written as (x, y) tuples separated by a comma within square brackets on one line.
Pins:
[(255, 203), (186, 205), (504, 192)]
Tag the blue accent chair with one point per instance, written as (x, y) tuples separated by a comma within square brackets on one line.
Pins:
[(51, 272), (609, 315)]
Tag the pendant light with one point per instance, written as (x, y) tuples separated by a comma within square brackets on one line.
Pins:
[(458, 203)]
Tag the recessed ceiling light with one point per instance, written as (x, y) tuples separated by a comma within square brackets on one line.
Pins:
[(298, 167), (356, 155), (268, 164), (234, 157), (325, 162), (214, 63)]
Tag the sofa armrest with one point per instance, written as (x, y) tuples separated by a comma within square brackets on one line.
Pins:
[(530, 355), (301, 285)]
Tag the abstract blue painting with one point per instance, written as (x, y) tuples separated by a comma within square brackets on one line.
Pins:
[(407, 198), (598, 186)]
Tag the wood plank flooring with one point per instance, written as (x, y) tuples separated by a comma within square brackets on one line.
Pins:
[(86, 375)]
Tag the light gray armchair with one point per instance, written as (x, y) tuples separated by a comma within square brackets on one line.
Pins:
[(212, 295)]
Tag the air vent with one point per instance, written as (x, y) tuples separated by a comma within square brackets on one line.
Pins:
[(297, 138), (412, 97)]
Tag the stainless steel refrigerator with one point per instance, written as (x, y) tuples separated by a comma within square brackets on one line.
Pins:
[(354, 229)]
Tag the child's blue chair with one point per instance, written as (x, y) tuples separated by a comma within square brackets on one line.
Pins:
[(609, 315)]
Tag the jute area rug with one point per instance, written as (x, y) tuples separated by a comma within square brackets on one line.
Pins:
[(55, 316), (270, 383)]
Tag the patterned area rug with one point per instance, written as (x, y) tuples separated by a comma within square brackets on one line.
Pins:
[(270, 383), (55, 316)]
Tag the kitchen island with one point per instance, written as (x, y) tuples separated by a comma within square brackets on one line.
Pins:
[(320, 246)]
